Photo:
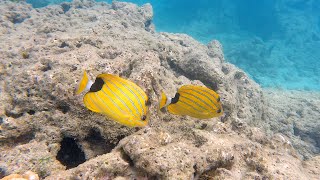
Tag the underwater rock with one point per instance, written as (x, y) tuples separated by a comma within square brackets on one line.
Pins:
[(29, 175), (41, 117), (295, 114)]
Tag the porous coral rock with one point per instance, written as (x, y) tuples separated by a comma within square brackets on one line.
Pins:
[(64, 40), (29, 175)]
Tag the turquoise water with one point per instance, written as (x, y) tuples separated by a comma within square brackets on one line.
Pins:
[(276, 42)]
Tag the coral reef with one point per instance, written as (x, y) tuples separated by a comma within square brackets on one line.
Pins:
[(43, 123), (29, 175), (296, 114)]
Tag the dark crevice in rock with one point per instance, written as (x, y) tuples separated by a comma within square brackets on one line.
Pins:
[(318, 143), (195, 174), (46, 67), (209, 83), (65, 7), (63, 107), (70, 153), (141, 172), (31, 112), (21, 139), (127, 72), (17, 18), (24, 138), (63, 45), (2, 172), (98, 143), (296, 131), (174, 67), (182, 43), (147, 24), (13, 115), (126, 158)]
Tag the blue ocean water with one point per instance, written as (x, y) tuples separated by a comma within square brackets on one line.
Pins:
[(276, 42)]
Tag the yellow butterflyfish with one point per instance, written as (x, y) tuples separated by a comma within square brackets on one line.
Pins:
[(195, 101), (118, 99)]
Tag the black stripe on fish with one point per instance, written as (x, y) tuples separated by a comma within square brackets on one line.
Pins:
[(175, 99), (195, 103), (208, 98), (131, 100), (198, 98), (137, 97), (115, 104), (192, 107), (118, 97), (97, 85)]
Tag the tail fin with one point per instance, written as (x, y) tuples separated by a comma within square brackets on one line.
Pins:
[(163, 100), (84, 84)]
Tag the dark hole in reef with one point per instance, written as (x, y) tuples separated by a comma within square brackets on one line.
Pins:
[(195, 174), (1, 120), (46, 67), (147, 23), (78, 45), (73, 68), (63, 107), (31, 112), (2, 172), (225, 116), (98, 143), (63, 45), (17, 18), (65, 7), (70, 154), (203, 126), (148, 102)]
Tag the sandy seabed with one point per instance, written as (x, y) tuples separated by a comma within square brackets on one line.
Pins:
[(264, 133)]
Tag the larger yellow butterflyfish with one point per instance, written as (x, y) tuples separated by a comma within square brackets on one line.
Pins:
[(118, 99), (195, 101)]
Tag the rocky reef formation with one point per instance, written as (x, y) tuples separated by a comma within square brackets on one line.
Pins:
[(45, 127)]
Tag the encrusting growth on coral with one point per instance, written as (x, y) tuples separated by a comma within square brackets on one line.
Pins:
[(43, 122)]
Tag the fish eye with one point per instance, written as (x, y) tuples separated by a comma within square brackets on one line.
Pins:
[(218, 99), (144, 117), (219, 111)]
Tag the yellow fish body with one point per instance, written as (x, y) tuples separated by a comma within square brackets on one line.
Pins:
[(119, 99), (195, 101)]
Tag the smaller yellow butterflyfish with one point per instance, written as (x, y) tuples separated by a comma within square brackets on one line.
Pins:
[(195, 101), (118, 99)]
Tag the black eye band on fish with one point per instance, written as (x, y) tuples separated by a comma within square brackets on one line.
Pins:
[(175, 99), (144, 117), (97, 85)]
